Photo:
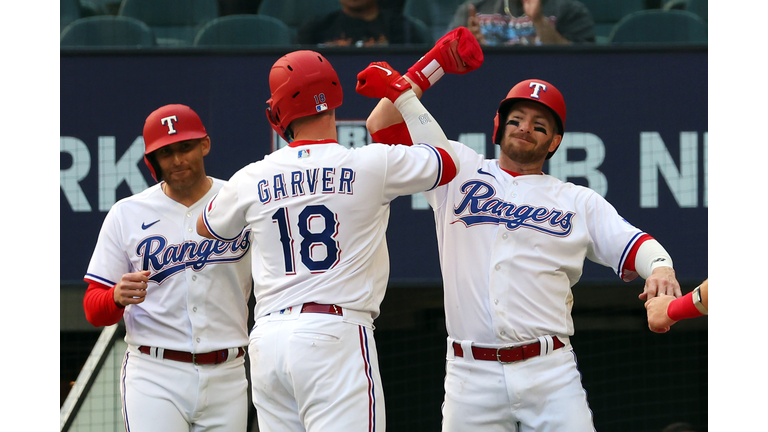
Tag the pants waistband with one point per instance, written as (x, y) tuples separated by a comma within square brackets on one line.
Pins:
[(322, 308), (508, 354), (213, 357)]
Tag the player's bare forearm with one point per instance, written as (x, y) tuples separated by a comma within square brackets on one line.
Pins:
[(132, 288), (661, 281)]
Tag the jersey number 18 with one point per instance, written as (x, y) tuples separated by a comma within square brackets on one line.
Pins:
[(310, 240)]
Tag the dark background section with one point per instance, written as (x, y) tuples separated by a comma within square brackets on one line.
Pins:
[(615, 95)]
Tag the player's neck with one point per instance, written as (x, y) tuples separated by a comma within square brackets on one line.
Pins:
[(190, 195), (321, 128), (520, 168)]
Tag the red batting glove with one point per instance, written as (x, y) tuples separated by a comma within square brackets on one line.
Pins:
[(380, 80), (457, 52)]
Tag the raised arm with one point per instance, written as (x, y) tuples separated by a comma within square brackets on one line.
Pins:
[(380, 80), (457, 52)]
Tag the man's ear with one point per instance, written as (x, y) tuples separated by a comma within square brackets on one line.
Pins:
[(556, 140), (206, 143)]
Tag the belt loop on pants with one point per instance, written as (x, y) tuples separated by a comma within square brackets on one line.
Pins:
[(507, 354), (322, 308), (213, 357)]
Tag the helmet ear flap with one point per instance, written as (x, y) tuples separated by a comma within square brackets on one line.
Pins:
[(275, 123), (154, 168)]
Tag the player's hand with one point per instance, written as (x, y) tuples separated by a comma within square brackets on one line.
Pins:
[(459, 51), (380, 80), (473, 24), (132, 288), (661, 281), (658, 320)]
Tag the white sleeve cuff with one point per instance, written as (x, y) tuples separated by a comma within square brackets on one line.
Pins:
[(650, 255)]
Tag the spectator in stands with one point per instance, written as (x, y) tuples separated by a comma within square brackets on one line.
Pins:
[(527, 22), (360, 23)]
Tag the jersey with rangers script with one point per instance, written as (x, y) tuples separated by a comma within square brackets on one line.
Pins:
[(511, 248), (198, 289), (319, 214)]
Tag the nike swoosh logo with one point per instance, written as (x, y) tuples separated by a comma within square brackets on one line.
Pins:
[(480, 171), (389, 72), (145, 226)]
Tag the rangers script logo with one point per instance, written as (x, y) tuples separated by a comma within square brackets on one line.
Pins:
[(482, 207), (165, 260)]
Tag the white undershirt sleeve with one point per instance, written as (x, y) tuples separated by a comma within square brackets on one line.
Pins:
[(650, 255)]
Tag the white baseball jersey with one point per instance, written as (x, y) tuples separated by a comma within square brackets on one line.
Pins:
[(319, 214), (511, 248), (198, 289)]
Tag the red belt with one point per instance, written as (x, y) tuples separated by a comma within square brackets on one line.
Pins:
[(213, 357), (321, 308), (507, 354)]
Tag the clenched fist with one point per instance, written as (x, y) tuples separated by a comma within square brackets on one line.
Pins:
[(380, 80)]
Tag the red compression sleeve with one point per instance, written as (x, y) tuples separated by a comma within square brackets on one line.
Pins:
[(449, 168), (395, 134), (682, 308), (629, 263), (99, 305)]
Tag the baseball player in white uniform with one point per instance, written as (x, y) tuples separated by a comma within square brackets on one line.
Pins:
[(183, 297), (512, 243), (319, 214)]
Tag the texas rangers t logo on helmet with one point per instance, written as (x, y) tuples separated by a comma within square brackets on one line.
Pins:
[(168, 121), (536, 87)]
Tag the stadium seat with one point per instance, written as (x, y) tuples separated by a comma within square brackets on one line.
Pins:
[(175, 23), (436, 14), (107, 31), (295, 13), (423, 29), (660, 26), (244, 30), (69, 12), (607, 13), (699, 7)]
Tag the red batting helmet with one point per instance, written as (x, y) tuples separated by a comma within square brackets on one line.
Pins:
[(167, 125), (302, 83), (537, 91)]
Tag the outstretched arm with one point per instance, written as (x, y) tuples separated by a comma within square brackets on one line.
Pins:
[(457, 52), (663, 311)]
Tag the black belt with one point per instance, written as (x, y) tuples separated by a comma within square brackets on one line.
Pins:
[(213, 357), (507, 354)]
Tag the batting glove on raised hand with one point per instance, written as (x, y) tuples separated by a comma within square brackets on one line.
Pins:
[(380, 80), (457, 52)]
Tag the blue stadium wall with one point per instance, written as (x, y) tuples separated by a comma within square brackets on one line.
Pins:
[(636, 124)]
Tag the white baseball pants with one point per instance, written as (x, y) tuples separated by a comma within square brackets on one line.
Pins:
[(540, 394)]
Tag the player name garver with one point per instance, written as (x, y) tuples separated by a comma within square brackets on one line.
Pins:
[(484, 208), (311, 181), (165, 260)]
